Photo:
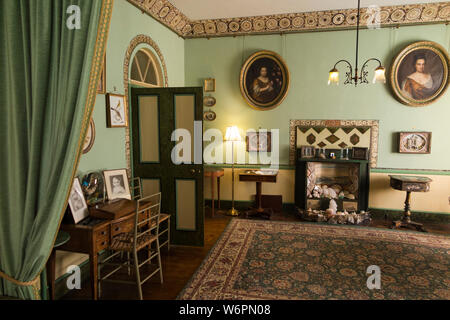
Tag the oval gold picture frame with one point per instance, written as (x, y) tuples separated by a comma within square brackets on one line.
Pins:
[(87, 146), (277, 74), (401, 63)]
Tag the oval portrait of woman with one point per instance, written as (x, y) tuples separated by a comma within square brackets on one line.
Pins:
[(264, 80), (420, 73)]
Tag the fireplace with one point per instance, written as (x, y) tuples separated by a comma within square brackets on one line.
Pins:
[(319, 180)]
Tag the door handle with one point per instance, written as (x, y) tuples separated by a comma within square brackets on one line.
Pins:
[(193, 171)]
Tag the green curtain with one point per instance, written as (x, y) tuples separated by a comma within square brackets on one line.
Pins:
[(48, 81)]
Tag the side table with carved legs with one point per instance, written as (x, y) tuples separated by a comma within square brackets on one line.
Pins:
[(409, 184)]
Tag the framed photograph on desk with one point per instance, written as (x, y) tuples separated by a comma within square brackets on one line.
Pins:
[(77, 203), (117, 186)]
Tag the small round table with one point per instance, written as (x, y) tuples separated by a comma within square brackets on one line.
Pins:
[(409, 184), (62, 238)]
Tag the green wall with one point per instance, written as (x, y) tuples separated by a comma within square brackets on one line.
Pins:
[(309, 57), (127, 22)]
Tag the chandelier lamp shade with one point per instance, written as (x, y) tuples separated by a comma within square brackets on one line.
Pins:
[(353, 76)]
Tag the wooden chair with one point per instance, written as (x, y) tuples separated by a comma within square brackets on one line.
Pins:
[(144, 234), (136, 187)]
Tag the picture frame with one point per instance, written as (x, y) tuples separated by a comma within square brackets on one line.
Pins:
[(101, 86), (117, 185), (420, 73), (89, 139), (414, 142), (77, 202), (116, 111), (360, 153), (264, 80), (258, 142), (307, 152), (209, 85)]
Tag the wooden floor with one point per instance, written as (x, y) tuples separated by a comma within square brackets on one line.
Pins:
[(181, 262)]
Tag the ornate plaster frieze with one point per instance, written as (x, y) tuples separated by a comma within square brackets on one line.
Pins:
[(166, 13)]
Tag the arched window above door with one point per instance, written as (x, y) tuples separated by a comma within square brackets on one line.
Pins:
[(146, 70)]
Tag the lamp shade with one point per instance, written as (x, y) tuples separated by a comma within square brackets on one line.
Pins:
[(380, 75), (232, 134), (333, 78)]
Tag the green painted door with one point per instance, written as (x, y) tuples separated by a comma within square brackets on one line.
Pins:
[(176, 172)]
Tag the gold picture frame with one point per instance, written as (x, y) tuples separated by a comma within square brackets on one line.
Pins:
[(116, 111), (420, 73), (209, 85), (89, 139), (264, 80)]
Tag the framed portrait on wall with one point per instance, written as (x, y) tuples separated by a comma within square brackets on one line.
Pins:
[(117, 186), (77, 203), (420, 73), (209, 85), (116, 111), (264, 80)]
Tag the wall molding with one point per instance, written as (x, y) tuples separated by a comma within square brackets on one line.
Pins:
[(136, 41), (431, 172), (400, 15)]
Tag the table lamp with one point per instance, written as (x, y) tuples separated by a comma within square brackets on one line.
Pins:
[(232, 134)]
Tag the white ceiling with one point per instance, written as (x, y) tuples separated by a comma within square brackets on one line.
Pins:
[(215, 9)]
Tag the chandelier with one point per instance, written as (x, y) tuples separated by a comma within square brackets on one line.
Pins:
[(362, 77)]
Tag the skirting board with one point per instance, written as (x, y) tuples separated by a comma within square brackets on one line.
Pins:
[(378, 213)]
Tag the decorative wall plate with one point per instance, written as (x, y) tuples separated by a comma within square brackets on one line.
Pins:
[(209, 101), (209, 116), (89, 138)]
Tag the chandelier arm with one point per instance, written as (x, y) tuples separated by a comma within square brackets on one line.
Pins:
[(371, 59), (349, 65)]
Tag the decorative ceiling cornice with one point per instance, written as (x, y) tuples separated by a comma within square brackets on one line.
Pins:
[(169, 15)]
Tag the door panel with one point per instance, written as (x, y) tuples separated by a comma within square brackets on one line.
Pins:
[(149, 129), (185, 204), (157, 113), (150, 186)]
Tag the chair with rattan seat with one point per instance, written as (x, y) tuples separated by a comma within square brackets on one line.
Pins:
[(144, 234), (137, 192)]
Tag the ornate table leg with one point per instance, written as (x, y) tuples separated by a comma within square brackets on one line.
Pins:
[(406, 220)]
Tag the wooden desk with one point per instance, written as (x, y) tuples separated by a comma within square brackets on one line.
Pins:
[(409, 184), (214, 173), (259, 178), (93, 234)]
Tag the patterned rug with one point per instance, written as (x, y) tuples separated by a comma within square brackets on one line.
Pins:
[(288, 260)]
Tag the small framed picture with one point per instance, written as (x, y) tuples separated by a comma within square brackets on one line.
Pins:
[(414, 142), (209, 85), (116, 110), (117, 186), (360, 153), (259, 141), (101, 86), (77, 203), (307, 152)]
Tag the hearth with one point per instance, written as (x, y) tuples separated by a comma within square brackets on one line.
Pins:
[(318, 180)]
